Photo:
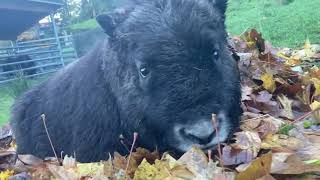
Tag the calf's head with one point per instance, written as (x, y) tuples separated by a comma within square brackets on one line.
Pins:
[(169, 68)]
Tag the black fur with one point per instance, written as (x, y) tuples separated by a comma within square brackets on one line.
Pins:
[(94, 100)]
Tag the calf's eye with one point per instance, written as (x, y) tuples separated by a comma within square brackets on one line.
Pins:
[(144, 72), (215, 54)]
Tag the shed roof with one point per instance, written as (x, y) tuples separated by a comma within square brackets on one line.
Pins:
[(16, 16)]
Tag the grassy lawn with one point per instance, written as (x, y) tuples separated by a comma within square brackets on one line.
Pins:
[(283, 25), (6, 101), (9, 92)]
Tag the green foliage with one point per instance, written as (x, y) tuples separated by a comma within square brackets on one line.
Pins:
[(283, 25), (286, 128), (307, 124)]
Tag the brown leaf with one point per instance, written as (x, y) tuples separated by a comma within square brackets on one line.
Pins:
[(287, 106), (282, 141), (267, 177), (61, 173), (286, 163), (120, 162), (195, 160), (142, 153), (245, 149), (257, 169), (232, 156), (309, 152), (264, 96), (247, 140), (30, 160)]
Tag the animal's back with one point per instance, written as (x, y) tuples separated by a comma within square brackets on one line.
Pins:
[(74, 114)]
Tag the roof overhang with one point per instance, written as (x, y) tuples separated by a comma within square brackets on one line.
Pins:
[(19, 15)]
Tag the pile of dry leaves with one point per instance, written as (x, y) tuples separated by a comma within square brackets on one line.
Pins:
[(279, 137)]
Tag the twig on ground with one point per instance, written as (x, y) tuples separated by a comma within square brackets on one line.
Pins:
[(304, 116), (215, 125), (43, 117), (210, 154), (135, 137)]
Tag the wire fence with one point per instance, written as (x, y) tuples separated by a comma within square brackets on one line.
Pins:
[(35, 57)]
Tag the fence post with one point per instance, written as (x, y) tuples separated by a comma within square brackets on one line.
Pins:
[(57, 37)]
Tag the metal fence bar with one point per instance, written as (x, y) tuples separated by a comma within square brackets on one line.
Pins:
[(41, 40), (45, 54), (28, 46), (27, 61), (57, 37), (30, 68), (41, 52), (28, 76)]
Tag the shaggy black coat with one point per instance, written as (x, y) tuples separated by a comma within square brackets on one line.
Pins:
[(164, 63)]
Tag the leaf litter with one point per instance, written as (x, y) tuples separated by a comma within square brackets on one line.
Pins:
[(279, 136)]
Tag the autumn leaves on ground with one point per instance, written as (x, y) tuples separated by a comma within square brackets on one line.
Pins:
[(279, 136)]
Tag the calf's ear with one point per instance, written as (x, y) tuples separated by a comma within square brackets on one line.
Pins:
[(110, 21), (220, 4)]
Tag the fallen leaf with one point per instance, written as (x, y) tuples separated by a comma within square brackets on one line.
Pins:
[(30, 160), (89, 169), (309, 152), (195, 160), (287, 163), (61, 173), (287, 106), (281, 141), (120, 162), (4, 175), (69, 162), (147, 171), (316, 83), (315, 106), (232, 156), (247, 140), (260, 167), (268, 82)]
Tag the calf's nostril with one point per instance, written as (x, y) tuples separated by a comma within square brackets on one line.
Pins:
[(198, 137)]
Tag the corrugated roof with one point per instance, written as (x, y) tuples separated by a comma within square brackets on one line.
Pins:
[(19, 15)]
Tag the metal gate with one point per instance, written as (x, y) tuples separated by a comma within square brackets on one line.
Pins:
[(35, 57)]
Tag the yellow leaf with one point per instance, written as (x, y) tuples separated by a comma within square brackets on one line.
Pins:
[(268, 82), (308, 49), (257, 169), (293, 61), (316, 83), (147, 171), (315, 105), (4, 175), (307, 44), (89, 169)]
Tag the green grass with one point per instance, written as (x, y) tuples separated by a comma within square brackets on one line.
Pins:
[(282, 25), (6, 100), (10, 91), (88, 24)]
